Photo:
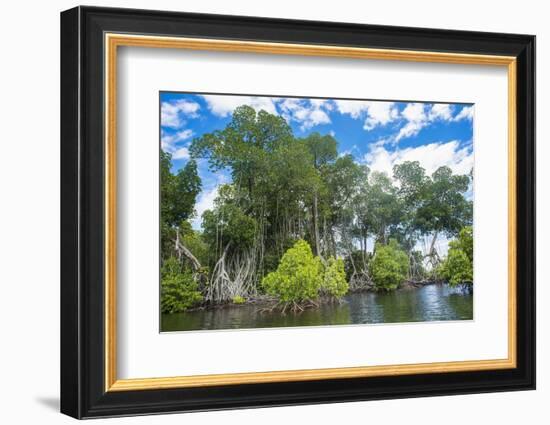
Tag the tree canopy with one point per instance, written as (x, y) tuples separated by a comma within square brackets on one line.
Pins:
[(297, 211), (457, 268)]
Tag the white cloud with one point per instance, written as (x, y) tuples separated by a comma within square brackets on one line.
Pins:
[(375, 113), (223, 105), (466, 113), (420, 115), (204, 203), (354, 108), (416, 120), (173, 114), (322, 103), (380, 113), (412, 128), (169, 143), (172, 139), (181, 153), (414, 112), (442, 111), (307, 112), (430, 157), (345, 153), (415, 116)]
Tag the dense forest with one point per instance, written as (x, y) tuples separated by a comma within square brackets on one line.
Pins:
[(301, 224)]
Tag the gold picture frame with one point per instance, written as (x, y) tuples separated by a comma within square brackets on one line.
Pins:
[(114, 41)]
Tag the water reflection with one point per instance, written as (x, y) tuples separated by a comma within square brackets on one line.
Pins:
[(430, 303)]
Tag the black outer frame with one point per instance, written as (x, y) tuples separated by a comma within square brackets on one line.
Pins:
[(82, 207)]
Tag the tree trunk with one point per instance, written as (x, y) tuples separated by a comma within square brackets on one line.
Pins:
[(432, 245), (183, 250), (316, 225)]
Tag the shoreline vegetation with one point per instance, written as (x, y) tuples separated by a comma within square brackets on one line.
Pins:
[(301, 224), (267, 303)]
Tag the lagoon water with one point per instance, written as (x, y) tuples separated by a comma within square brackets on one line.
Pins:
[(428, 303)]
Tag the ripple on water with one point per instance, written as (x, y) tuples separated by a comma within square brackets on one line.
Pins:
[(429, 303)]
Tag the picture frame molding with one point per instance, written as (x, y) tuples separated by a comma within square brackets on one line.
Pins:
[(89, 41)]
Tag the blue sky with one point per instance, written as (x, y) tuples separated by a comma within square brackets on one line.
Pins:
[(377, 133)]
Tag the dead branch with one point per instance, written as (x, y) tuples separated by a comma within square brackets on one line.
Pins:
[(181, 249)]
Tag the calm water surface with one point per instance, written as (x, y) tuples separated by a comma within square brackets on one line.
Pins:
[(429, 303)]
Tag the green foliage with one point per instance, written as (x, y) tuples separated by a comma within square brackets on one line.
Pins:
[(465, 242), (298, 277), (334, 280), (301, 276), (413, 190), (412, 181), (458, 267), (323, 149), (389, 266), (443, 208), (167, 238), (195, 242), (238, 300), (178, 192), (228, 224), (286, 189), (343, 181), (272, 172), (244, 146), (179, 291), (377, 207), (417, 269), (356, 261)]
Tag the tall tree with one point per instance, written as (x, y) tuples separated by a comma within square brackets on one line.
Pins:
[(178, 194), (323, 150), (458, 267), (444, 209), (385, 209), (344, 180), (243, 146), (412, 190), (178, 191)]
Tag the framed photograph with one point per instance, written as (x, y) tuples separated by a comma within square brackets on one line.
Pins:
[(261, 212)]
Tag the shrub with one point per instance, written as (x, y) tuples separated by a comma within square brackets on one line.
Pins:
[(237, 299), (389, 266), (458, 267), (179, 290), (227, 223), (334, 281), (298, 277)]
